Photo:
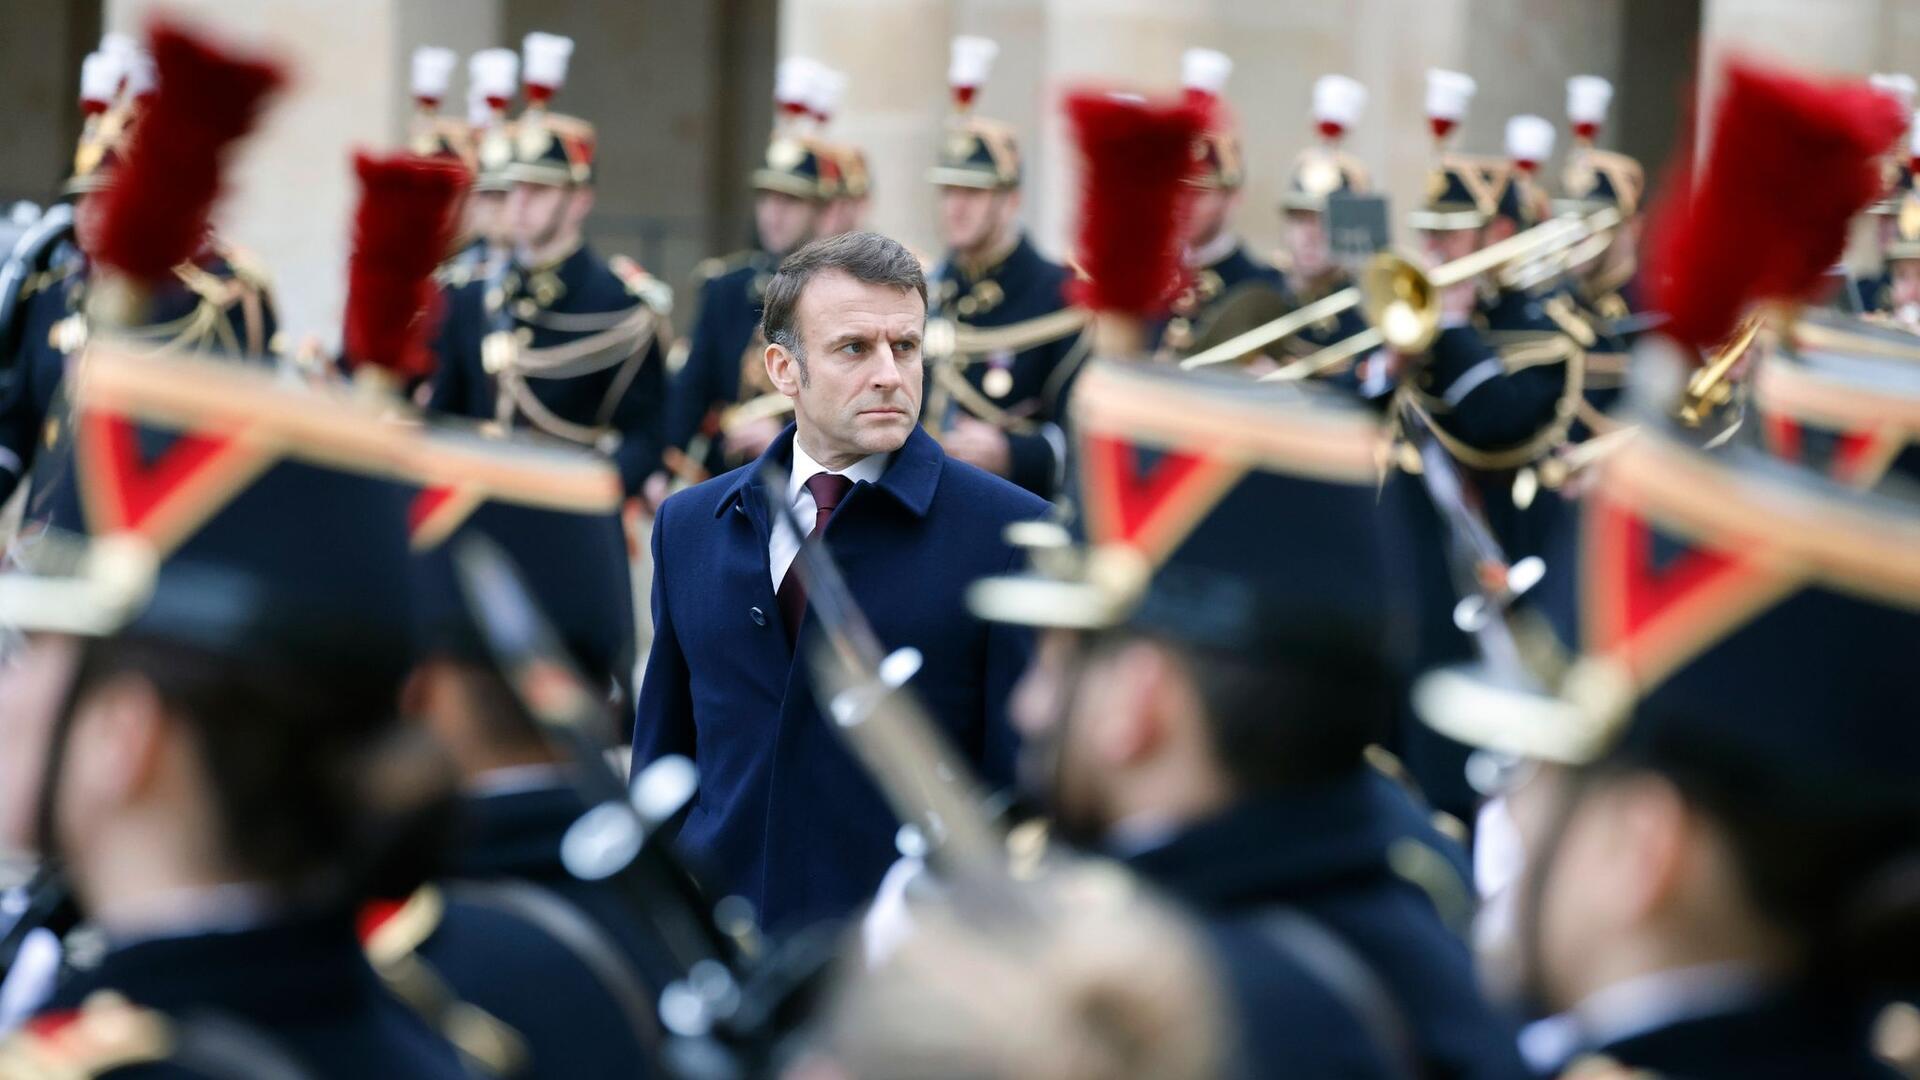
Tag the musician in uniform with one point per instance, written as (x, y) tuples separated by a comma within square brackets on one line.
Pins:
[(1321, 171), (998, 408), (492, 80), (1217, 263), (558, 339), (217, 303), (724, 366), (204, 734), (1605, 290), (1202, 700)]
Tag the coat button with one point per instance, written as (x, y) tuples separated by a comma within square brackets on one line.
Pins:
[(759, 617)]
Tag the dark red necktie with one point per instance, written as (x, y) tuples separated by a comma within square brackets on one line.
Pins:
[(827, 490)]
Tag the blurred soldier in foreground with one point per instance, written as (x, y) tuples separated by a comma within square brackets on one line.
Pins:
[(1063, 982), (1715, 809), (213, 301), (1206, 687), (1218, 266), (712, 424), (1872, 293), (996, 405), (559, 339)]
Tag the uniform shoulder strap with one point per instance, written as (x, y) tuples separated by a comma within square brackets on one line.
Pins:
[(563, 921), (1344, 973), (105, 1033)]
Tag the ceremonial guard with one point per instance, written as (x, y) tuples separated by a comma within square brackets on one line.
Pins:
[(1605, 287), (215, 303), (1313, 272), (492, 80), (1205, 687), (558, 339), (1872, 293), (722, 412), (995, 397), (1219, 269)]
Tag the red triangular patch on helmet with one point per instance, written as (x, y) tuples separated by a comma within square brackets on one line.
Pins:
[(1655, 599), (163, 496), (1149, 498)]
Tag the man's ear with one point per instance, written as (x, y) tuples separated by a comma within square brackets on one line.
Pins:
[(1655, 840), (121, 734), (580, 205), (783, 369), (1143, 681)]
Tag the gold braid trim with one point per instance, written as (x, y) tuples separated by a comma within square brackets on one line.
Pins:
[(1018, 337), (1565, 408)]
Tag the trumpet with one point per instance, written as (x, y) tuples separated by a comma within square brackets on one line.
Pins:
[(1401, 302), (1709, 388)]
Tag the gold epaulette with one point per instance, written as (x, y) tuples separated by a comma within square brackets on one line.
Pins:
[(107, 1032), (707, 269), (1570, 320), (246, 266), (657, 294)]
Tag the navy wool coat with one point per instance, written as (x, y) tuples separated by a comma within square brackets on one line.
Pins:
[(786, 817)]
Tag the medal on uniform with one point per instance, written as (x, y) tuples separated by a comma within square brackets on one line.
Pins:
[(998, 380)]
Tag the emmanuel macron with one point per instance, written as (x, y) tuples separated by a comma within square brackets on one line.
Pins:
[(786, 818)]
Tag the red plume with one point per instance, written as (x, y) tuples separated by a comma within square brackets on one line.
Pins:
[(1792, 160), (1134, 155), (401, 231), (156, 211)]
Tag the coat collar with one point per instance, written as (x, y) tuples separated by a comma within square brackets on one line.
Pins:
[(911, 477), (1287, 843)]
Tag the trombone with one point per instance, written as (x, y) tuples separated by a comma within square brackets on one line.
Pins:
[(1401, 302)]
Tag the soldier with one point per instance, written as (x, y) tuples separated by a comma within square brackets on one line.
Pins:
[(999, 408), (1716, 801), (203, 719), (582, 1004), (1873, 293), (1606, 288), (558, 339), (492, 76), (1320, 171), (705, 433), (217, 302), (1217, 263), (1201, 705)]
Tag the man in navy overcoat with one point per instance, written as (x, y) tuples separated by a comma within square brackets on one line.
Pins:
[(786, 817)]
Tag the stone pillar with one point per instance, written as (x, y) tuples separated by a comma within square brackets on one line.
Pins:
[(895, 55), (290, 195)]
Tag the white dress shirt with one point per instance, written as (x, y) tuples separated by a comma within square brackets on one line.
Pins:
[(782, 545)]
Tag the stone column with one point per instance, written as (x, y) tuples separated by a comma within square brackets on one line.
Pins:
[(291, 192), (895, 55)]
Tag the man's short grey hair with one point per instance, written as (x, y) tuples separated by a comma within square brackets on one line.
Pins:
[(864, 256)]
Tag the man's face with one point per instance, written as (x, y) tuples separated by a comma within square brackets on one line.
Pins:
[(537, 213), (1204, 214), (1904, 274), (860, 392), (1446, 245), (35, 676), (1305, 234), (487, 217), (783, 222), (971, 219)]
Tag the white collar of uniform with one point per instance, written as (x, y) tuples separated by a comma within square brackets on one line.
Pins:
[(868, 468), (1213, 251), (1638, 1005), (513, 779)]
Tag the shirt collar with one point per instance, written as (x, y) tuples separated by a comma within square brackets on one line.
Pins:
[(1639, 1005), (910, 476), (868, 469)]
